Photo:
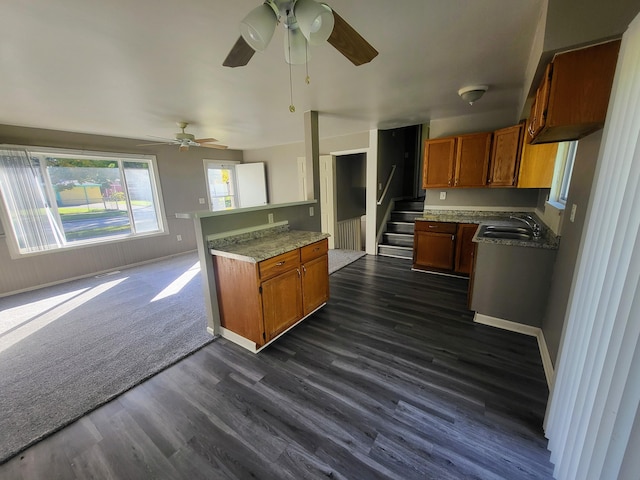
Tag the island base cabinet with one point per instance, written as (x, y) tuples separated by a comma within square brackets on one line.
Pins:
[(315, 284), (259, 301), (281, 302)]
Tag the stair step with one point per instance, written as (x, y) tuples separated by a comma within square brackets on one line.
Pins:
[(400, 227), (405, 216), (395, 251), (398, 239), (411, 205)]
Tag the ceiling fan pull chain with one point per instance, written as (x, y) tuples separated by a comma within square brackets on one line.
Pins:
[(292, 107), (306, 61)]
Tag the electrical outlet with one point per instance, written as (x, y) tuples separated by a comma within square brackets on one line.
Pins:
[(201, 201), (572, 217), (379, 187), (443, 195), (179, 237), (311, 211), (270, 217)]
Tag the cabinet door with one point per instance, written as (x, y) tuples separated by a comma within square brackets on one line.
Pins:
[(434, 250), (504, 156), (281, 302), (536, 165), (538, 117), (472, 159), (315, 283), (439, 161), (465, 247)]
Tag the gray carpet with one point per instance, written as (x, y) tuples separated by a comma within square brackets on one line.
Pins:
[(65, 350), (342, 258)]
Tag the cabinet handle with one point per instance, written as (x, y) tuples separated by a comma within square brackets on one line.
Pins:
[(433, 226), (316, 249), (279, 264), (304, 269), (456, 181), (453, 238), (298, 270)]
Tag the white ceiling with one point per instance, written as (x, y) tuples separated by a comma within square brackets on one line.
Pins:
[(132, 68)]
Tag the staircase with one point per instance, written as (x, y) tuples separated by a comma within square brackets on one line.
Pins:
[(397, 240)]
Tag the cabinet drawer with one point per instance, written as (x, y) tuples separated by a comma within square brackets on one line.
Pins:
[(436, 227), (315, 250), (281, 263)]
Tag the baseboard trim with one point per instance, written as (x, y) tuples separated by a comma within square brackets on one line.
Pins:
[(529, 330)]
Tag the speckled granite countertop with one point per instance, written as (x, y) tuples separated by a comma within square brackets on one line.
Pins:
[(257, 246), (547, 240)]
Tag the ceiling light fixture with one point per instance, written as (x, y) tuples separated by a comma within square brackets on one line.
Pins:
[(307, 19), (473, 93)]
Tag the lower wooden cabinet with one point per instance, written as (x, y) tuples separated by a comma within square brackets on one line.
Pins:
[(465, 248), (444, 247), (260, 301), (434, 245)]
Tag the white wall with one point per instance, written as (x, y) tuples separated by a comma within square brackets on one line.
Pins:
[(473, 122), (281, 163)]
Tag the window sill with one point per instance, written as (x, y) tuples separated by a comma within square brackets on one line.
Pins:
[(555, 205)]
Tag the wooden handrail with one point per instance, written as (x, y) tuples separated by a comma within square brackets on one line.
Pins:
[(386, 187)]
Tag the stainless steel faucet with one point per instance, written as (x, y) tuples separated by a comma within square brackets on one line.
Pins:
[(531, 223)]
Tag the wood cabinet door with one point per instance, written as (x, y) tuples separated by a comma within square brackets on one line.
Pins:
[(538, 117), (472, 159), (439, 161), (465, 248), (504, 156), (281, 302), (434, 250), (315, 284), (537, 163)]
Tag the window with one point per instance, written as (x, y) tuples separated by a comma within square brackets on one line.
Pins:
[(221, 185), (562, 173), (62, 198)]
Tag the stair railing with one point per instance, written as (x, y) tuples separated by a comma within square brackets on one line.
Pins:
[(386, 187)]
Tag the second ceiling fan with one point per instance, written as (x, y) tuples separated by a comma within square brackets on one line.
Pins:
[(306, 21)]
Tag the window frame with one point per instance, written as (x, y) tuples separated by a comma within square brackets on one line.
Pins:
[(156, 189), (563, 170), (230, 164)]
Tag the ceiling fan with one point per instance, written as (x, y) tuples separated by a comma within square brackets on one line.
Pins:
[(186, 140), (307, 22)]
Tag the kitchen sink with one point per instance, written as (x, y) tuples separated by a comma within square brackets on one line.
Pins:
[(508, 229), (506, 235)]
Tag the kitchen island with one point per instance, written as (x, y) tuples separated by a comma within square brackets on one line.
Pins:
[(268, 281)]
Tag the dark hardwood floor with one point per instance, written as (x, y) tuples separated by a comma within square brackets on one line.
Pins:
[(391, 380)]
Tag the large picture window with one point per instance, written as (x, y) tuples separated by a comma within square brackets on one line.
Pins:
[(55, 199)]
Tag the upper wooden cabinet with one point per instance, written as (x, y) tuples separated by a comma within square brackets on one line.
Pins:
[(505, 155), (460, 161), (537, 163), (472, 159), (439, 161), (573, 97)]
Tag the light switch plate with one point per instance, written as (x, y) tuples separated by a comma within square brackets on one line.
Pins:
[(311, 211), (179, 237), (270, 217), (201, 201), (572, 217), (443, 195)]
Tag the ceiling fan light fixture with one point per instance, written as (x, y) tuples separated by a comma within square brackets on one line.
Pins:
[(258, 26), (315, 20), (473, 93)]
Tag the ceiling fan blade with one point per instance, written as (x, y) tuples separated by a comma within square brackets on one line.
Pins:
[(205, 140), (214, 145), (151, 144), (350, 43), (239, 55)]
